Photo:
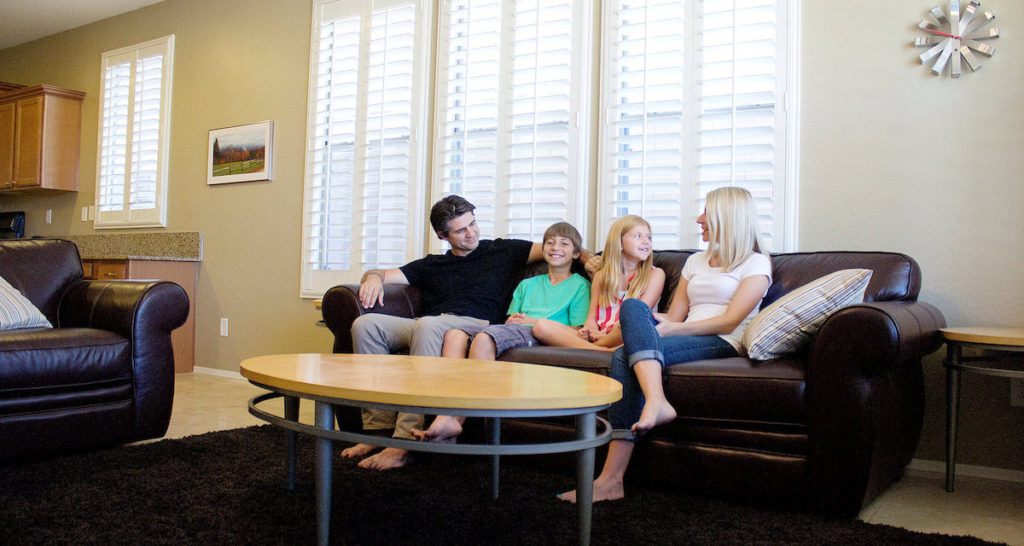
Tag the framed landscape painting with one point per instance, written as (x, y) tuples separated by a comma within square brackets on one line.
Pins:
[(241, 154)]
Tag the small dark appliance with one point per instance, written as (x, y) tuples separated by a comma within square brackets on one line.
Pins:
[(12, 225)]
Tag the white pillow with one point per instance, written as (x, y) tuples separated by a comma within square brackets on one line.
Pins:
[(16, 311), (788, 324)]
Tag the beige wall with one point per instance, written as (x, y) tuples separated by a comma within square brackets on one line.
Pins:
[(891, 158), (895, 158)]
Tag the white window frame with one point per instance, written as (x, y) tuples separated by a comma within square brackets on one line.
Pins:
[(315, 282), (128, 217), (786, 113), (577, 211), (589, 123)]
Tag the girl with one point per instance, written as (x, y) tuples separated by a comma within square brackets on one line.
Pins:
[(719, 292), (627, 271)]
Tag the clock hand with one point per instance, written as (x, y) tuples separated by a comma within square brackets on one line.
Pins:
[(943, 34)]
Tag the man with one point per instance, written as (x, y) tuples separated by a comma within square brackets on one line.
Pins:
[(470, 285)]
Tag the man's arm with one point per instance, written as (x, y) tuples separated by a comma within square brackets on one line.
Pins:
[(371, 287)]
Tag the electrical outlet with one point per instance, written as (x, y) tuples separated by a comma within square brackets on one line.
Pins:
[(49, 216), (1017, 392), (224, 327), (85, 214)]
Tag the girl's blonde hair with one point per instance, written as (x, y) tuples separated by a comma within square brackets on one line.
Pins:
[(733, 232), (611, 262)]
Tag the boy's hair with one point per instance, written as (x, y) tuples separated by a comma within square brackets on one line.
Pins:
[(565, 229), (446, 210)]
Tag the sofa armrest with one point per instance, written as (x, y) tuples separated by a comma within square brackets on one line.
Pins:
[(144, 312), (865, 397), (341, 307)]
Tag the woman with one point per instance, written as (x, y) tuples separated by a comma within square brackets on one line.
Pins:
[(719, 292)]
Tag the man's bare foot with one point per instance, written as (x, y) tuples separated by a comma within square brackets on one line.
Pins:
[(388, 459), (604, 490), (654, 413), (444, 429), (358, 450)]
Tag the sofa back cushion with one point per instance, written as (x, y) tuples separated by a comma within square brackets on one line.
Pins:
[(895, 276), (42, 269)]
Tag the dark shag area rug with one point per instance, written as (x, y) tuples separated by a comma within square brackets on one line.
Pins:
[(228, 488)]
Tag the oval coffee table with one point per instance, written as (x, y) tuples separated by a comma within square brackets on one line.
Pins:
[(433, 385)]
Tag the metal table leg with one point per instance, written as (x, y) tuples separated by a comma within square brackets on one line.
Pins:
[(586, 427), (324, 469), (953, 355), (494, 438), (291, 413)]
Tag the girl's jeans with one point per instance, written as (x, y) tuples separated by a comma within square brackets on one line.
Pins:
[(641, 342)]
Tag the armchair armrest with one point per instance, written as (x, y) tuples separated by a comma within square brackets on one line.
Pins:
[(865, 397), (144, 312), (341, 307)]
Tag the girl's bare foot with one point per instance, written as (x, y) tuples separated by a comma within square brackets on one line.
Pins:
[(604, 490), (654, 413), (358, 450), (444, 429)]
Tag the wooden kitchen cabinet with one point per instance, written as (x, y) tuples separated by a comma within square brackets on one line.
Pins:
[(183, 273), (40, 138)]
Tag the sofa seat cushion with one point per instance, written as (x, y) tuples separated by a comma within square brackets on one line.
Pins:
[(36, 362), (738, 389)]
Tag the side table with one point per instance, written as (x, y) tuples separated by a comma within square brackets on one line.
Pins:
[(993, 340)]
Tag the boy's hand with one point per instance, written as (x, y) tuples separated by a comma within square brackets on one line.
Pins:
[(520, 318), (592, 265)]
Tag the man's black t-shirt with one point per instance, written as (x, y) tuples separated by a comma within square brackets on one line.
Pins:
[(477, 285)]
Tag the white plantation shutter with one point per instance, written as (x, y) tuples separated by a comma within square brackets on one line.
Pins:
[(691, 111), (364, 184), (134, 135), (646, 128), (508, 98), (741, 125)]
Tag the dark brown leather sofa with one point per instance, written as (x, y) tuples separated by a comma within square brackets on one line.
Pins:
[(103, 374), (827, 429)]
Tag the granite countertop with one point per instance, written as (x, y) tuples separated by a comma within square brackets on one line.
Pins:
[(178, 246)]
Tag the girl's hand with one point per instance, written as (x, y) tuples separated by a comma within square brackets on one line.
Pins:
[(661, 317), (583, 333), (597, 334)]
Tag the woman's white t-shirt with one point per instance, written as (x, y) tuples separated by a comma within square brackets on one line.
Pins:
[(710, 289)]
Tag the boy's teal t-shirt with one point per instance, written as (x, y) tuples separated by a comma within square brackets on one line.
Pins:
[(567, 302)]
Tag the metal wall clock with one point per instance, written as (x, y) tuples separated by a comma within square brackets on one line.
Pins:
[(955, 35)]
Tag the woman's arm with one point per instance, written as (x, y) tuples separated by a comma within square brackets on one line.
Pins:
[(747, 296), (679, 306)]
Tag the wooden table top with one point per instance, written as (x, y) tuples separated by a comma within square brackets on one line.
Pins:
[(433, 382), (985, 334)]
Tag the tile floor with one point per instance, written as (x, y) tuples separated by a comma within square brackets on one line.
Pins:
[(988, 509)]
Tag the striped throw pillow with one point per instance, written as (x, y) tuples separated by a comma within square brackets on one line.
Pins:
[(16, 311), (787, 325)]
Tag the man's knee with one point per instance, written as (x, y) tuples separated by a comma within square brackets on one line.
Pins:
[(372, 333)]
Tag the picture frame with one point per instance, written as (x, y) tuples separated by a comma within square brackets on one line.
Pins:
[(243, 153)]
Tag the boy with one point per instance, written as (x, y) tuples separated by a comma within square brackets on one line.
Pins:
[(561, 296)]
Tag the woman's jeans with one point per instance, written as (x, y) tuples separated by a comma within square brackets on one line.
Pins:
[(641, 342)]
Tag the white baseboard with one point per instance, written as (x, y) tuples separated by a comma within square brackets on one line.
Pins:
[(218, 372), (988, 472)]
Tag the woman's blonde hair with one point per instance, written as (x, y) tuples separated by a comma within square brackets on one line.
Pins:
[(733, 232), (611, 262)]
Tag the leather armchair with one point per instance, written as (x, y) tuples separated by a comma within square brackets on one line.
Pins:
[(103, 374)]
